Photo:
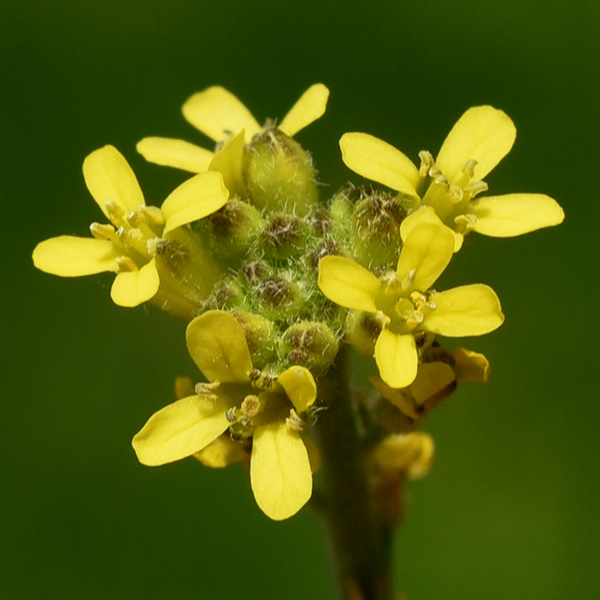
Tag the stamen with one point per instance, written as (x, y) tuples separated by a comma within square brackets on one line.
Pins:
[(469, 168), (427, 163), (115, 213), (126, 264), (456, 194), (152, 215), (251, 405), (294, 422), (231, 415), (476, 187), (203, 389), (102, 231)]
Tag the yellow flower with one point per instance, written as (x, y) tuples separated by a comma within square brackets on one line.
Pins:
[(218, 114), (280, 471), (128, 246), (404, 304), (446, 189)]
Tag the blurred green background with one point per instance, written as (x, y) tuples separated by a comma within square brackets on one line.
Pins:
[(510, 510)]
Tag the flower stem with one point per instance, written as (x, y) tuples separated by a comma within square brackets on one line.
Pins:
[(360, 541)]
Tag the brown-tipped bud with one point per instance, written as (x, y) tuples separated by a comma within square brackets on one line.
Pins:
[(279, 298), (232, 229), (280, 174), (260, 335), (226, 294), (376, 229), (283, 236), (310, 345), (362, 330)]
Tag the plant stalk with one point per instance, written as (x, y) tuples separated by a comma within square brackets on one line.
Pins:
[(360, 541)]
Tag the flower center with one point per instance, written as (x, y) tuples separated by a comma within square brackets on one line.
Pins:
[(448, 198), (136, 234)]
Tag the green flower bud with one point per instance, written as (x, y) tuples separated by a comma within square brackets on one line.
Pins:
[(226, 294), (279, 298), (310, 345), (260, 335), (255, 272), (232, 229), (362, 330), (187, 271), (376, 228), (280, 174), (283, 236)]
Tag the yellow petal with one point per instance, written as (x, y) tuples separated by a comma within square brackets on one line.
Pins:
[(228, 162), (131, 288), (484, 134), (222, 452), (109, 178), (433, 379), (279, 471), (426, 253), (427, 214), (400, 397), (218, 114), (379, 161), (180, 429), (70, 256), (347, 283), (470, 366), (194, 199), (307, 109), (300, 387), (396, 357), (217, 344), (465, 310), (514, 214), (171, 152)]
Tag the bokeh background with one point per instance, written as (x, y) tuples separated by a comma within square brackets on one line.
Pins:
[(510, 510)]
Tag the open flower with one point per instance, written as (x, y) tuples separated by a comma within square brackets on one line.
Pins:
[(446, 189), (219, 114), (405, 306), (270, 413), (128, 246)]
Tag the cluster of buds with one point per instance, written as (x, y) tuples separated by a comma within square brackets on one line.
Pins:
[(276, 282)]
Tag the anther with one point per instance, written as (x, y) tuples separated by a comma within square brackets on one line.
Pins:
[(426, 163), (115, 213), (125, 263), (101, 231), (469, 167)]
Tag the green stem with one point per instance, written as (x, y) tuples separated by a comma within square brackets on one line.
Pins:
[(360, 541)]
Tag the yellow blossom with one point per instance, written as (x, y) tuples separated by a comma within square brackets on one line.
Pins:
[(405, 304), (128, 246), (219, 114), (268, 412), (446, 189)]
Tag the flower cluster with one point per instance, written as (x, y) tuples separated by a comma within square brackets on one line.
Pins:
[(277, 284)]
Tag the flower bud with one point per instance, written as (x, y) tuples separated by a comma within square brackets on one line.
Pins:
[(279, 298), (362, 330), (260, 336), (283, 236), (280, 174), (311, 345), (232, 229), (375, 228)]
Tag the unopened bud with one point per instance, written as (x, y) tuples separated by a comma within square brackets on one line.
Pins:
[(284, 235), (280, 174), (310, 345), (232, 229), (260, 335), (376, 229)]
